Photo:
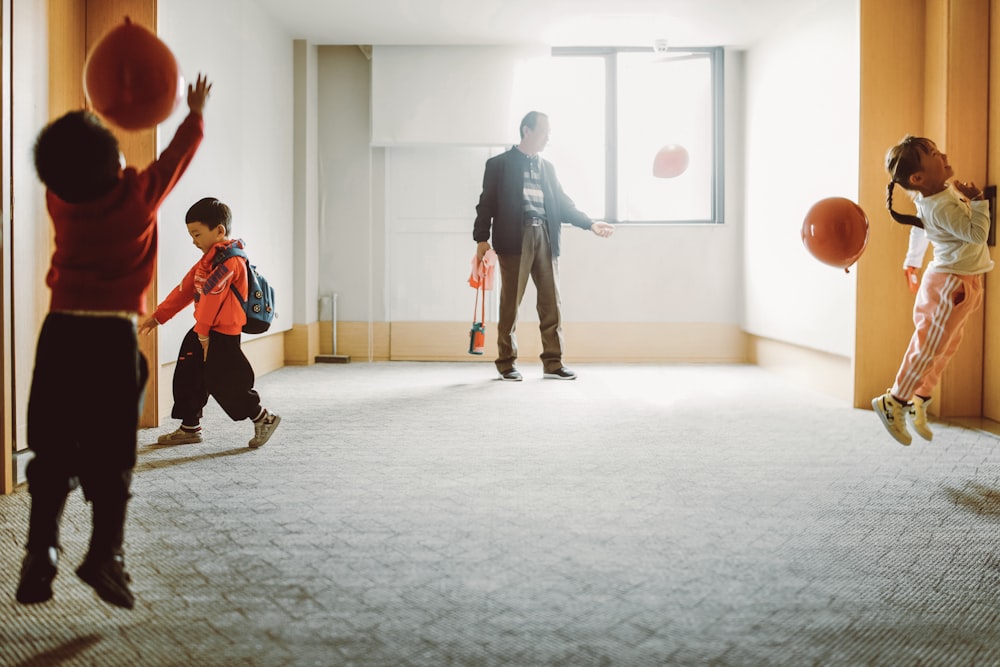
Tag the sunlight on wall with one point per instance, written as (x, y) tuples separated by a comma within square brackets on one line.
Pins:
[(802, 146)]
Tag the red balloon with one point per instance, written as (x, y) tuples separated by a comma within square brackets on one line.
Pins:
[(835, 231), (670, 161), (131, 78)]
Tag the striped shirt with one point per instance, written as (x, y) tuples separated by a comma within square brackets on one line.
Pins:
[(534, 200)]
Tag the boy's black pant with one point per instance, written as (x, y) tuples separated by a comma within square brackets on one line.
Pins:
[(83, 413), (226, 375)]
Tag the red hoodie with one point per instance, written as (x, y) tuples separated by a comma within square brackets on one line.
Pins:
[(215, 307), (105, 249)]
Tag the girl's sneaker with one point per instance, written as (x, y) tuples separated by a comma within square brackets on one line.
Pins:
[(918, 414), (890, 411)]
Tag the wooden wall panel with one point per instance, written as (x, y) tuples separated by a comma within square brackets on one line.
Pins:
[(892, 105), (991, 309), (924, 70), (139, 149), (966, 103)]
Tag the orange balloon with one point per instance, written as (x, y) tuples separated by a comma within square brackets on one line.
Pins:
[(131, 78), (670, 161), (835, 231)]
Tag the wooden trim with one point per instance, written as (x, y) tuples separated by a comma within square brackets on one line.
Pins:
[(930, 68), (883, 318), (140, 149), (302, 344), (966, 101), (827, 373), (991, 306), (585, 342), (8, 476), (357, 340)]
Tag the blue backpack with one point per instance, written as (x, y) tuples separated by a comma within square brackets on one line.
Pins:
[(259, 306)]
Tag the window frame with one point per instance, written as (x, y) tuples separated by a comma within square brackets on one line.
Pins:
[(715, 54)]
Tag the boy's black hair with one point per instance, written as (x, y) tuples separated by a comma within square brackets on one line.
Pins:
[(76, 157), (210, 212)]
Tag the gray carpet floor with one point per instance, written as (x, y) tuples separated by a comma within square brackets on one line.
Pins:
[(411, 514)]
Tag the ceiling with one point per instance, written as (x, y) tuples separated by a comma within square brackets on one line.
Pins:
[(731, 23)]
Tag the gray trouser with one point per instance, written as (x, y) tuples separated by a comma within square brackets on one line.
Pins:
[(537, 262)]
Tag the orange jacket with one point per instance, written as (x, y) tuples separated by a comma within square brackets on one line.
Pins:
[(215, 306)]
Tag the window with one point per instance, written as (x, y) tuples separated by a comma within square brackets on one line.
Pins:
[(621, 106)]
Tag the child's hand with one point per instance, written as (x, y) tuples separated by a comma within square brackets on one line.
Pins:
[(967, 190), (198, 94), (912, 278), (148, 325), (204, 346)]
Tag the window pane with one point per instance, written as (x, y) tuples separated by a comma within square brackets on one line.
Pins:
[(576, 113), (664, 99)]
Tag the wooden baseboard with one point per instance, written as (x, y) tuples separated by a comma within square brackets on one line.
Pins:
[(828, 373), (357, 340), (302, 344), (585, 342)]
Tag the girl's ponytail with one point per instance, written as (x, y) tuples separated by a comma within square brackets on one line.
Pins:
[(901, 218)]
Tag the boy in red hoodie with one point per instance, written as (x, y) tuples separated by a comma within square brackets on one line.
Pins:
[(88, 367), (211, 362)]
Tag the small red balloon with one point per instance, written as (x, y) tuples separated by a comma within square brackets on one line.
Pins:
[(835, 231), (670, 161), (131, 78)]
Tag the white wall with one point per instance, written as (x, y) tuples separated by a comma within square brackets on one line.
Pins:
[(246, 158), (421, 94), (306, 185), (802, 129), (352, 220), (31, 228)]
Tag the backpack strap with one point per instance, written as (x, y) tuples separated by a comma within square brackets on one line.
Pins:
[(231, 251), (220, 257)]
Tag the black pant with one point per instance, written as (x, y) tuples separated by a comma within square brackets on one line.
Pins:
[(226, 375), (83, 413)]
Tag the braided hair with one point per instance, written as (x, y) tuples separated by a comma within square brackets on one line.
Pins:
[(902, 161)]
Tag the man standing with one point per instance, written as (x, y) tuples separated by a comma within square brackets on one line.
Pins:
[(524, 205)]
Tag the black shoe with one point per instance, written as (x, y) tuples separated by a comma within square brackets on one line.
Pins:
[(511, 375), (109, 579), (37, 572), (561, 373)]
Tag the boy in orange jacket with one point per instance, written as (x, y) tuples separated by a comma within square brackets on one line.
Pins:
[(211, 362)]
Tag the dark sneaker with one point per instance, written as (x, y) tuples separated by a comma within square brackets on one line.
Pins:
[(263, 428), (561, 373), (511, 375), (181, 436), (37, 572), (109, 580)]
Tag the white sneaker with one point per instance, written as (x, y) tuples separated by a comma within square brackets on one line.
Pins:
[(918, 414), (890, 411), (180, 437), (263, 429)]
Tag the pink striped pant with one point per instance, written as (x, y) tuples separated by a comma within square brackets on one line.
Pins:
[(943, 306)]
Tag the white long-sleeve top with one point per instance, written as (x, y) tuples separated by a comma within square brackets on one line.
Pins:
[(957, 229)]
